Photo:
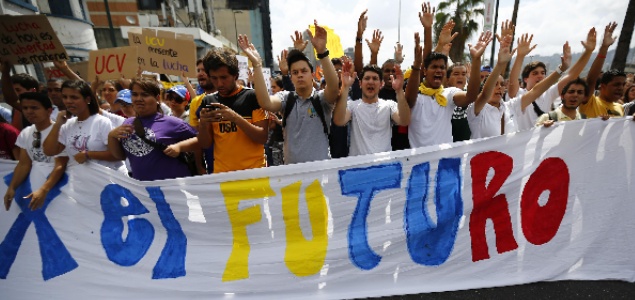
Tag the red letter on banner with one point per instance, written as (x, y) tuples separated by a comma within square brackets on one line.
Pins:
[(488, 205), (541, 223)]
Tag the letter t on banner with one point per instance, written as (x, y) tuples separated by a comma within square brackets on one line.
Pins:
[(364, 183)]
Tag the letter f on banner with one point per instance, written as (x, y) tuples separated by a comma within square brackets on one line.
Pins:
[(364, 183), (56, 260)]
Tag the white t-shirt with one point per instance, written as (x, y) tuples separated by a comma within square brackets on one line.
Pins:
[(88, 135), (430, 123), (116, 120), (25, 141), (371, 128), (54, 113), (527, 119), (488, 121)]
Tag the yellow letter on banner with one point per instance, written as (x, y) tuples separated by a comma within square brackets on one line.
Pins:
[(304, 257), (235, 191)]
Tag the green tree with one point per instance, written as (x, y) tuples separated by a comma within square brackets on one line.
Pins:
[(463, 12), (621, 52)]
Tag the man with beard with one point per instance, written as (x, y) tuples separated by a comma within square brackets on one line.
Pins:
[(572, 95)]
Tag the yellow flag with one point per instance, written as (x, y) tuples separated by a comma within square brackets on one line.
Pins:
[(332, 41)]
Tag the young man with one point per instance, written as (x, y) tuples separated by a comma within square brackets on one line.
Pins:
[(54, 92), (37, 109), (433, 106), (572, 95), (231, 119), (12, 87), (305, 132), (526, 113), (371, 117)]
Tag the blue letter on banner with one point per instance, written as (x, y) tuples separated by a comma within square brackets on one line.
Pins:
[(56, 260), (171, 263), (429, 244), (364, 183), (140, 232)]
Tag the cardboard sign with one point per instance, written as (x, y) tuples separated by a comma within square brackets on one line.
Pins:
[(80, 68), (112, 63), (164, 52), (29, 40)]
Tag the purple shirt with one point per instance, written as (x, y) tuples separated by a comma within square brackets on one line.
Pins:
[(148, 163)]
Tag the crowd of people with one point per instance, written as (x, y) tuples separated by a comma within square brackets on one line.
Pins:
[(225, 124)]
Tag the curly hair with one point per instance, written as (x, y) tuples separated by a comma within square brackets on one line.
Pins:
[(221, 57)]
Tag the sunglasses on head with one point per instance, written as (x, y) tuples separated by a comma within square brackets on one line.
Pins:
[(37, 139)]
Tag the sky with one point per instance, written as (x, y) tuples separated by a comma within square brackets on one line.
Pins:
[(551, 22)]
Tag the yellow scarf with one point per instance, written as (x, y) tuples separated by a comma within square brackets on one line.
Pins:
[(436, 93)]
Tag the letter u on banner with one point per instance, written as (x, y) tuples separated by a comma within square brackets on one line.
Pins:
[(305, 257)]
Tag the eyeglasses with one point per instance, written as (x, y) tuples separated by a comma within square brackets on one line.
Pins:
[(37, 136), (178, 100)]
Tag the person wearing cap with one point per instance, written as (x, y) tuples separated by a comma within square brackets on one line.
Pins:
[(178, 98), (37, 109), (125, 101), (485, 71)]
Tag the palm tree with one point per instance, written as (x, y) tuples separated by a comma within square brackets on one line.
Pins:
[(621, 52), (464, 14)]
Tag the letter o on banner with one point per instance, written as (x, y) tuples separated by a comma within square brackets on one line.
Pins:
[(541, 223)]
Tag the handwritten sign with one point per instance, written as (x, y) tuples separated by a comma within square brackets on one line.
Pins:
[(29, 40), (164, 52), (80, 68), (112, 63)]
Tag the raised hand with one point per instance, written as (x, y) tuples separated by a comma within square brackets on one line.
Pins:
[(397, 79), (298, 42), (418, 58), (282, 62), (507, 28), (249, 49), (609, 39), (566, 57), (361, 23), (375, 44), (524, 45), (348, 76), (505, 53), (399, 53), (591, 40), (426, 16), (446, 36), (319, 39), (478, 49)]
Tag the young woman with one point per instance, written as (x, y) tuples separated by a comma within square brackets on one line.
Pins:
[(147, 140), (178, 99), (84, 138)]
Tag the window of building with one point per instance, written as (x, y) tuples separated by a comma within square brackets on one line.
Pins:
[(61, 8), (149, 4)]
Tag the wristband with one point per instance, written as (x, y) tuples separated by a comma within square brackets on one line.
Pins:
[(601, 56), (323, 55), (415, 68), (559, 70), (358, 40)]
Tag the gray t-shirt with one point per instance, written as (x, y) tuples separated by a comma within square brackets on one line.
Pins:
[(304, 138)]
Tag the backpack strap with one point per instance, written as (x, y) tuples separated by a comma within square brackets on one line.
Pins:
[(320, 112), (537, 109), (291, 98), (553, 116), (583, 116)]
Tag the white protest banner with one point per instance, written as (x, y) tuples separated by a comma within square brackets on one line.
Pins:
[(29, 39), (545, 204), (112, 63), (164, 52)]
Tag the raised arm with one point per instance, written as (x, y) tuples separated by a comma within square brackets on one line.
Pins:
[(51, 146), (402, 116), (374, 45), (332, 80), (426, 16), (359, 56), (524, 48), (576, 69), (64, 68), (298, 42), (504, 56), (507, 28), (284, 69), (552, 79), (463, 99), (341, 114), (270, 103), (412, 88), (596, 67), (399, 54)]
